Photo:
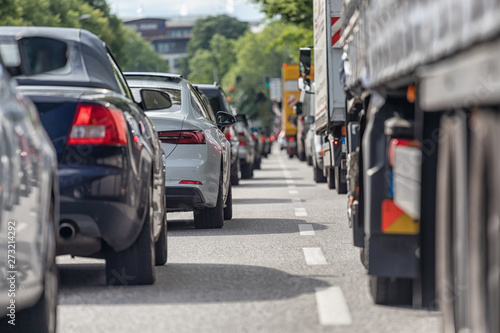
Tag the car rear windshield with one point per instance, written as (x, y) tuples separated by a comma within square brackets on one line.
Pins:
[(174, 94)]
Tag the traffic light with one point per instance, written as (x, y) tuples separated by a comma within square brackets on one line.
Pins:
[(267, 81)]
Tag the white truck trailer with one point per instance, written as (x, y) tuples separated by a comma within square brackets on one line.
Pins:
[(422, 87)]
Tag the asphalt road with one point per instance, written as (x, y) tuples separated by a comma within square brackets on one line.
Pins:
[(284, 263)]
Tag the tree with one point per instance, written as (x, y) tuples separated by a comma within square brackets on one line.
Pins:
[(144, 58), (205, 29), (295, 12)]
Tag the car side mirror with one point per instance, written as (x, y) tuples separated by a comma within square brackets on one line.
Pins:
[(225, 119), (34, 55), (152, 99)]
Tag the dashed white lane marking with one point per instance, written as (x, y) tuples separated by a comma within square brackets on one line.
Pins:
[(293, 192), (332, 307), (306, 230), (296, 200), (290, 181), (314, 256), (300, 212)]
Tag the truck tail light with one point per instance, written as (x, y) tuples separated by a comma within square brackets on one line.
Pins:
[(182, 137), (242, 139), (95, 124)]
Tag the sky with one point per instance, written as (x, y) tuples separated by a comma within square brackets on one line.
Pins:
[(244, 10)]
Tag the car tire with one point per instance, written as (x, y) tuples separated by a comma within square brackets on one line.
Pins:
[(302, 156), (318, 175), (309, 160), (235, 177), (256, 164), (135, 265), (228, 210), (391, 291), (211, 218), (161, 249), (330, 178), (246, 171), (341, 187), (290, 156), (42, 317)]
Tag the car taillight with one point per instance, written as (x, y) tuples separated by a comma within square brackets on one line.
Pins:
[(242, 139), (254, 138), (98, 125), (182, 137), (229, 135)]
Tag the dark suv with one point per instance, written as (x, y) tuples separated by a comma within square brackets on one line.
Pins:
[(218, 101)]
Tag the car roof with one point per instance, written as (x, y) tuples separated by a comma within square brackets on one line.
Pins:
[(154, 76), (89, 65)]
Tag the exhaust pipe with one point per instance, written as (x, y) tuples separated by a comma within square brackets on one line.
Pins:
[(67, 230)]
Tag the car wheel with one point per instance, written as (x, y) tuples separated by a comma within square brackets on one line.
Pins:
[(161, 245), (256, 164), (135, 265), (309, 160), (330, 178), (228, 210), (246, 171), (211, 218), (235, 178), (42, 317), (302, 156)]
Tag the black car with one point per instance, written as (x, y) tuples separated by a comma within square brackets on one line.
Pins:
[(110, 167)]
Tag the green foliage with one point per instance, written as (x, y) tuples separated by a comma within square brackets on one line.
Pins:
[(295, 12), (92, 15), (144, 59), (205, 29)]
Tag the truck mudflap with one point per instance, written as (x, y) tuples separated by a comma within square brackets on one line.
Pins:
[(391, 236)]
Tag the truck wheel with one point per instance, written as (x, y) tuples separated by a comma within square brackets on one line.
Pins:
[(211, 218), (135, 265), (341, 187), (161, 245), (309, 160), (391, 291), (302, 156), (228, 210), (318, 175), (330, 178), (484, 223), (290, 155), (451, 223)]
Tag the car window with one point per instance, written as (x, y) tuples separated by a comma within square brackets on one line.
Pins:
[(119, 78), (197, 105)]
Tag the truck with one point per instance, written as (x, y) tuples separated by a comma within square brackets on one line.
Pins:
[(421, 81), (329, 95), (290, 99)]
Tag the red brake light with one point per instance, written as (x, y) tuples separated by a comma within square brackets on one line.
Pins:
[(98, 125), (336, 142), (191, 182), (182, 137), (291, 139), (242, 139)]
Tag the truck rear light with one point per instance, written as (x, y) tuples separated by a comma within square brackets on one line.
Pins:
[(336, 142), (291, 139), (399, 142), (396, 221), (95, 124), (191, 182), (182, 137)]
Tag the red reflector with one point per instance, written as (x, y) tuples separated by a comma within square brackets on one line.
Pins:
[(98, 125), (291, 139), (192, 182), (336, 142), (182, 137)]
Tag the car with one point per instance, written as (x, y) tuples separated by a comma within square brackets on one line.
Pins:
[(246, 151), (29, 209), (197, 152), (309, 139), (110, 168)]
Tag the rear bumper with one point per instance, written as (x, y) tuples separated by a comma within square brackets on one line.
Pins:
[(183, 199)]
